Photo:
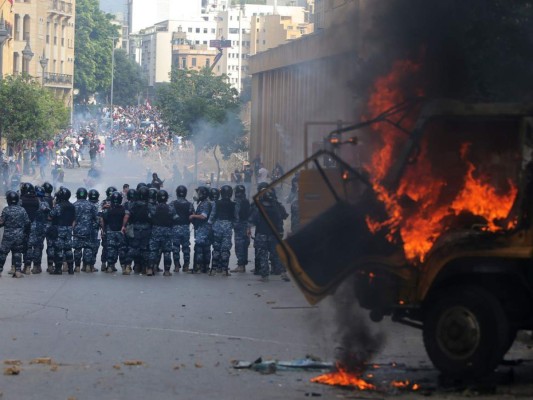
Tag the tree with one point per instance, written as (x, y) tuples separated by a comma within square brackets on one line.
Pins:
[(129, 81), (203, 108), (29, 111), (93, 46)]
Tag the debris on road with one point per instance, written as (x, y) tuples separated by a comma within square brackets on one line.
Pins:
[(42, 360), (132, 363), (271, 366), (13, 370)]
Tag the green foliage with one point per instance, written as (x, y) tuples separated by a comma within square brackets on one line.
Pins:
[(203, 108), (93, 46), (129, 81), (28, 111)]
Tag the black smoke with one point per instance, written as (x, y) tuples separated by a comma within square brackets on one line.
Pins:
[(479, 50)]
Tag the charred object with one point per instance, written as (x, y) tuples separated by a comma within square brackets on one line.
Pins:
[(436, 229)]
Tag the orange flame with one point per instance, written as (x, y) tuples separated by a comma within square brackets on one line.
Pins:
[(405, 385), (342, 377), (421, 221)]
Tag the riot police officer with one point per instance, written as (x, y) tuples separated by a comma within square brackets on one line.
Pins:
[(222, 217), (112, 222), (30, 203), (163, 218), (202, 231), (94, 198), (181, 234), (240, 228), (83, 241), (63, 216), (16, 225)]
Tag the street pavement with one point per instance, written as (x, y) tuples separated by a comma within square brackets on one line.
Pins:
[(108, 336)]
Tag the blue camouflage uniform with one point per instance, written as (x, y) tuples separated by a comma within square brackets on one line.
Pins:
[(63, 216), (139, 247), (265, 241), (105, 204), (181, 233), (163, 217), (83, 241), (30, 203), (16, 225), (240, 227), (222, 217), (202, 238), (38, 230), (116, 242), (51, 234)]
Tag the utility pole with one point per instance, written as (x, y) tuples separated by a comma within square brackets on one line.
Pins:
[(112, 78)]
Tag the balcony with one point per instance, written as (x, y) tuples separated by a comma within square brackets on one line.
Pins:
[(52, 79), (61, 8)]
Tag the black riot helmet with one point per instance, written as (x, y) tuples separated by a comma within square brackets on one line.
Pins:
[(12, 197), (140, 185), (214, 194), (63, 194), (261, 186), (142, 193), (27, 189), (240, 192), (81, 193), (181, 191), (116, 198), (94, 196), (131, 195), (162, 196), (267, 197), (226, 192), (48, 188), (110, 190), (203, 193), (152, 194)]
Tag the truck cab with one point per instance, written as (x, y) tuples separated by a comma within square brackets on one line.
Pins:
[(441, 241)]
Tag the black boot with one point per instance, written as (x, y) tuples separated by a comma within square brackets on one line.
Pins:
[(70, 269), (58, 269)]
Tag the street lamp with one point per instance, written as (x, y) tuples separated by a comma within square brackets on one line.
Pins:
[(112, 78), (44, 63), (27, 54), (4, 35)]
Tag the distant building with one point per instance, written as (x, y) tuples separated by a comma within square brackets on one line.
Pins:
[(145, 13), (188, 55), (156, 45), (254, 28), (6, 49)]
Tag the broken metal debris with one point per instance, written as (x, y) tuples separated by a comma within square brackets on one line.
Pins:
[(271, 366)]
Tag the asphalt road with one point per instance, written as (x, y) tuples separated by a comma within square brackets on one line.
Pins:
[(108, 336)]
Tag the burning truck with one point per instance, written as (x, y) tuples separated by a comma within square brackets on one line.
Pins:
[(434, 227)]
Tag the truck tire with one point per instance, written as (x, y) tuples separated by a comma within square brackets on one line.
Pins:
[(466, 332)]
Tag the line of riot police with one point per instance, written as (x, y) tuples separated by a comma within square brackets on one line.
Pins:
[(138, 232)]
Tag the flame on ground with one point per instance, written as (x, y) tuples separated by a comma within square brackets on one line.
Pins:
[(342, 377)]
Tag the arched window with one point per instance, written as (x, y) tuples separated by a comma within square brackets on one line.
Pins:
[(16, 60)]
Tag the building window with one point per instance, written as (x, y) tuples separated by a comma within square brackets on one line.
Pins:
[(184, 63), (197, 30), (205, 30), (207, 62), (193, 62), (213, 31), (189, 30)]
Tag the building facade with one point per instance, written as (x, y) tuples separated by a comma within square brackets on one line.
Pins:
[(306, 81), (46, 28), (6, 38), (188, 55)]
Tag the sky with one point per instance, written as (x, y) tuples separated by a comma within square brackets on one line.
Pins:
[(112, 6)]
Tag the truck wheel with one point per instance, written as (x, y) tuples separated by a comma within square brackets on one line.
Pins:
[(466, 331)]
